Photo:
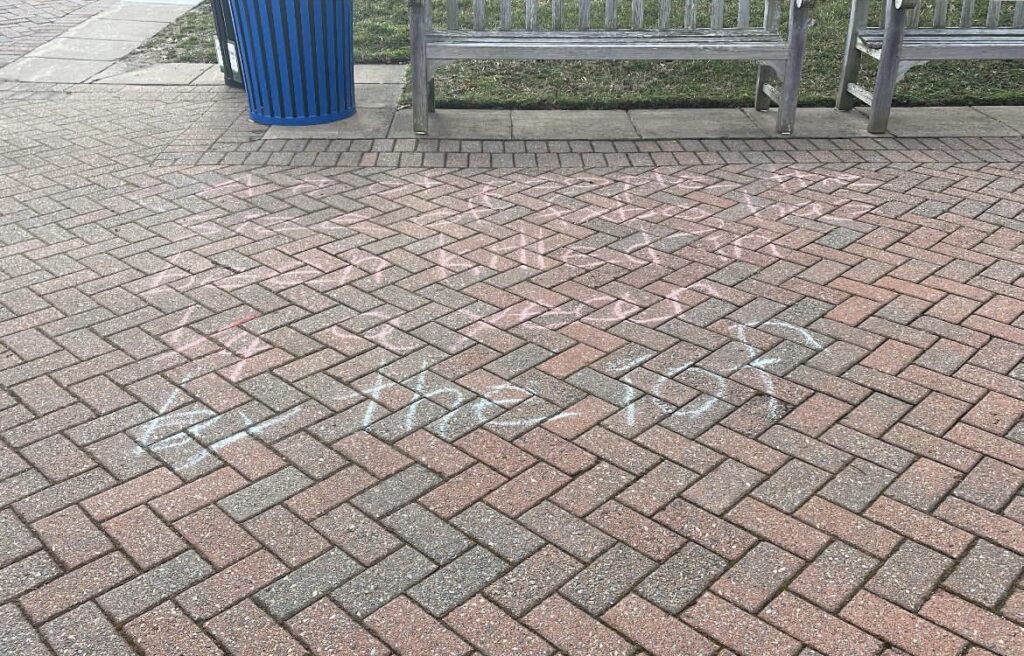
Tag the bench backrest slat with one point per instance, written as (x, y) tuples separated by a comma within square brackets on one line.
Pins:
[(453, 14), (506, 15), (638, 14), (611, 14), (665, 14), (584, 15), (1018, 15), (560, 15), (557, 19), (772, 15), (967, 13), (743, 14), (941, 9), (995, 8), (690, 14), (717, 14), (479, 15), (913, 19)]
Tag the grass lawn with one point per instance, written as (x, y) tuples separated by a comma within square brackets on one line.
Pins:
[(381, 36)]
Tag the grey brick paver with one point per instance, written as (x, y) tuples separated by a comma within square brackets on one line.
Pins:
[(533, 580), (303, 586), (724, 486), (17, 636), (153, 586), (909, 575), (682, 578), (400, 489), (383, 582), (758, 576), (790, 486), (856, 486), (263, 494), (605, 388), (429, 534), (62, 495), (464, 419), (991, 484), (361, 537), (85, 630), (497, 532), (16, 540), (25, 574), (607, 579), (985, 574), (457, 581)]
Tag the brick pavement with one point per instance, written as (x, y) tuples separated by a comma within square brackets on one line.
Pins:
[(709, 397)]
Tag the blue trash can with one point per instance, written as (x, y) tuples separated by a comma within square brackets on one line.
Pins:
[(297, 59)]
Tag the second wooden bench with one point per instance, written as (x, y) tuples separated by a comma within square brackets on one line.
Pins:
[(677, 30), (902, 43)]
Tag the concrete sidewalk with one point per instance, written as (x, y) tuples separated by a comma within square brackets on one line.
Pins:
[(812, 122), (93, 51), (92, 47)]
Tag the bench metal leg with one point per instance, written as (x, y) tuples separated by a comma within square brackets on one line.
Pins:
[(420, 105), (845, 101), (431, 96), (418, 64), (799, 16), (888, 70), (765, 75)]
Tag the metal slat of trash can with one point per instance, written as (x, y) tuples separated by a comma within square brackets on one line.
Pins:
[(297, 59)]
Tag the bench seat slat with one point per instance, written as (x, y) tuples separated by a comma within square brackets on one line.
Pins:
[(875, 33), (951, 43)]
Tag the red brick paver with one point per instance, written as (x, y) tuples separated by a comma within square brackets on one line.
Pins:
[(370, 397)]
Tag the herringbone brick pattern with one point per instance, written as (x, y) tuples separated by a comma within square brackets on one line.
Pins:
[(369, 397)]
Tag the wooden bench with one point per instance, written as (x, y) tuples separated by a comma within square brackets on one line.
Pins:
[(669, 30), (901, 43)]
